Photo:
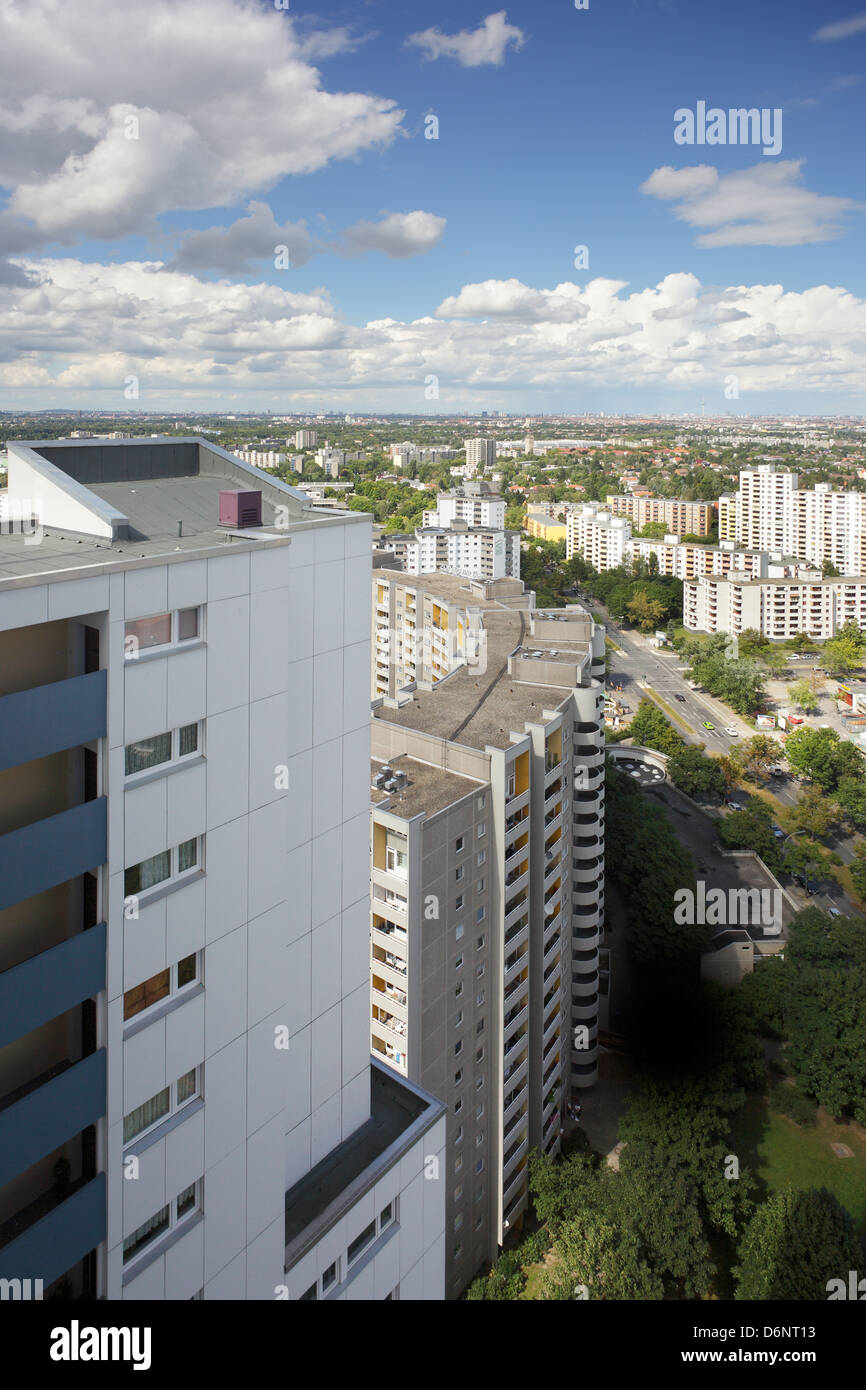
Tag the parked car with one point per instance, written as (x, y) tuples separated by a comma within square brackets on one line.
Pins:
[(834, 912), (794, 719), (779, 834), (777, 771), (735, 806)]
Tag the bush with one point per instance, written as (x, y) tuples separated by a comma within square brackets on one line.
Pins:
[(790, 1101)]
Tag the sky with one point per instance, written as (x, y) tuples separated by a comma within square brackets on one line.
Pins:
[(231, 205)]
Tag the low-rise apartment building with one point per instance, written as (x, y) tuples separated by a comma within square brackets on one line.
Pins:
[(779, 606), (488, 982), (472, 551), (680, 517)]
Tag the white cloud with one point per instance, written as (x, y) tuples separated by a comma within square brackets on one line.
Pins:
[(762, 206), (473, 48), (225, 98), (255, 238), (79, 331), (398, 234), (843, 29)]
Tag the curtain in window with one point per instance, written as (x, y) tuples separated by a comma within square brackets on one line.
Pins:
[(146, 1115), (145, 1233), (148, 873), (187, 855), (188, 740), (186, 1087), (149, 752)]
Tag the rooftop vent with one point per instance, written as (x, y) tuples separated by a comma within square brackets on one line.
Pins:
[(239, 509)]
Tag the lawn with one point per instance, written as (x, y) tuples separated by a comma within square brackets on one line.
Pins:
[(783, 1154)]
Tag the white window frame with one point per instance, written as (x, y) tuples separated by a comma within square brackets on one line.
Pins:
[(175, 758), (175, 991), (176, 874), (175, 642), (175, 1107), (175, 1222)]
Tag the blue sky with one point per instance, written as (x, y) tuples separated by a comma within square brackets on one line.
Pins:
[(544, 149)]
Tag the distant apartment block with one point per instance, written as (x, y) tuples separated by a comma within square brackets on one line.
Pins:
[(476, 504), (602, 539), (544, 527), (687, 560), (488, 979), (261, 458), (187, 1103), (818, 525), (425, 626), (788, 600), (306, 439), (481, 452), (681, 518), (476, 552)]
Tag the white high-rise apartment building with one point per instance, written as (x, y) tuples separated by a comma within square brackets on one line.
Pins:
[(487, 861), (306, 439), (187, 1103), (473, 504), (471, 551), (603, 540), (817, 525), (480, 453)]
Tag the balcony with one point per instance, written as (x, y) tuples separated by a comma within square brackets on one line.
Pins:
[(52, 718), (514, 1076), (515, 1018), (48, 1110), (50, 851), (56, 1240), (512, 1155), (514, 1194), (51, 983)]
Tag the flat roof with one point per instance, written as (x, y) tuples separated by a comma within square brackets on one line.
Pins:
[(399, 1114), (141, 489), (429, 788)]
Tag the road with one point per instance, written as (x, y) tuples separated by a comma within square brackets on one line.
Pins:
[(638, 667)]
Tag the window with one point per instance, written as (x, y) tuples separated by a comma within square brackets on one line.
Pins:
[(481, 914), (458, 1222), (458, 845), (458, 962), (458, 1076), (479, 1193), (458, 1047), (510, 785), (482, 801), (458, 902), (479, 1083), (458, 1105), (168, 866), (482, 830), (329, 1278), (161, 986), (479, 998), (479, 1139), (169, 1216), (458, 1135), (481, 857), (458, 1018), (458, 931), (167, 1102), (479, 1167), (395, 860), (360, 1243), (459, 990), (479, 1028), (479, 1056), (457, 1251), (479, 944), (458, 1163), (458, 873), (160, 749), (479, 970), (479, 1222), (386, 1216), (479, 1110), (162, 630), (458, 1192), (481, 885)]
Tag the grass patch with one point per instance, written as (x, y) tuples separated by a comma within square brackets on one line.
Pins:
[(668, 709), (782, 1154)]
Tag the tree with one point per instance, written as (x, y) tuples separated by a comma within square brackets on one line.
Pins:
[(794, 1245), (646, 612), (858, 869), (696, 774), (802, 695), (775, 661), (844, 652), (651, 729), (757, 755), (752, 829), (731, 768), (810, 753), (812, 813), (604, 1259), (739, 683), (751, 643)]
